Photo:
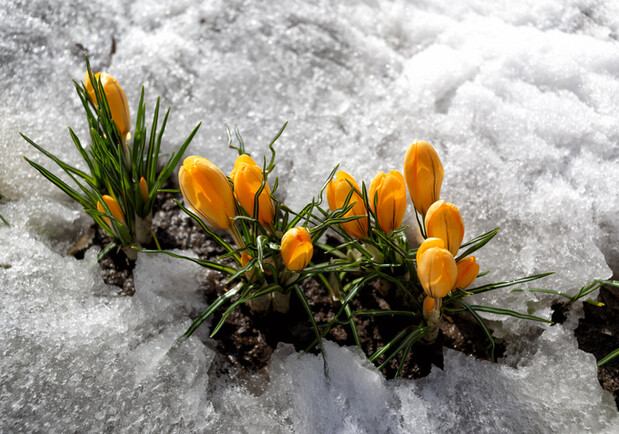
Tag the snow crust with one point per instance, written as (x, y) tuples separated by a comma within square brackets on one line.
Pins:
[(520, 100)]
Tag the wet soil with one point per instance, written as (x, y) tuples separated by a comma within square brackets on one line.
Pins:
[(247, 338)]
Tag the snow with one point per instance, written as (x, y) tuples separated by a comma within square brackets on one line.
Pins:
[(520, 101)]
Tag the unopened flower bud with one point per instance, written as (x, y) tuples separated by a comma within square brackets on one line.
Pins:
[(297, 248), (247, 179), (424, 175), (143, 189), (427, 244), (207, 190), (387, 198), (337, 191), (113, 207), (428, 305), (437, 272), (443, 221), (116, 100), (240, 161), (468, 269)]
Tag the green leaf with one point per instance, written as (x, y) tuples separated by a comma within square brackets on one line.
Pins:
[(203, 262), (484, 327), (212, 308), (608, 357), (107, 249), (305, 304), (492, 286), (478, 243), (60, 184), (413, 337), (501, 311)]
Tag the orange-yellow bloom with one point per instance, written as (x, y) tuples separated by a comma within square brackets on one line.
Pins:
[(390, 193), (113, 207), (437, 272), (443, 221), (468, 269), (424, 175), (427, 244), (297, 248), (116, 100), (143, 189), (337, 191), (428, 304), (207, 190), (247, 179), (240, 161)]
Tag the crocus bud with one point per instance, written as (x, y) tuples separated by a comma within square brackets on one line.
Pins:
[(297, 248), (424, 175), (116, 100), (247, 179), (387, 198), (468, 269), (337, 191), (437, 272), (427, 244), (428, 305), (143, 189), (207, 190), (113, 207), (240, 161), (443, 221)]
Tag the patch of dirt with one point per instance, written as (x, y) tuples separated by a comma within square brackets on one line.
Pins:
[(247, 338), (598, 333)]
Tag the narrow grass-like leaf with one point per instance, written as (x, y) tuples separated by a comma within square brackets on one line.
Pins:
[(608, 357), (353, 326), (413, 337), (305, 304), (203, 262), (498, 285), (212, 308), (390, 344), (484, 327), (107, 249), (543, 291), (501, 311), (59, 183), (380, 312), (263, 291)]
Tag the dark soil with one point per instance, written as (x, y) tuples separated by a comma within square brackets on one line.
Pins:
[(598, 333), (247, 339)]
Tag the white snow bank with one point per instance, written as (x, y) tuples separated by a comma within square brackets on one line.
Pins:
[(520, 101)]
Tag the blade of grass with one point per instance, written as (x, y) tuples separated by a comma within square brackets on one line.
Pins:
[(305, 304), (608, 357), (212, 308)]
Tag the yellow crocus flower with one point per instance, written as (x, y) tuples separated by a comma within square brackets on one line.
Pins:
[(207, 190), (247, 179), (443, 221), (387, 197), (424, 175), (113, 207), (437, 272), (468, 269), (116, 100), (297, 248), (337, 191)]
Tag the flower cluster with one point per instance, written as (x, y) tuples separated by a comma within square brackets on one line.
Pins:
[(123, 180), (428, 271), (269, 248)]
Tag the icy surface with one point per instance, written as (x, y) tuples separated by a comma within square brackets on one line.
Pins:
[(520, 100)]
